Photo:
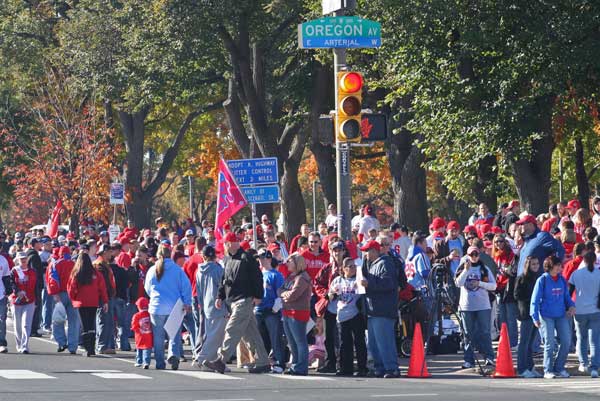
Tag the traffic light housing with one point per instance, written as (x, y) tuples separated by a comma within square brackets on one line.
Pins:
[(349, 106)]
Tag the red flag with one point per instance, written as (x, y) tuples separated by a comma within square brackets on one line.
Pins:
[(52, 230), (230, 198)]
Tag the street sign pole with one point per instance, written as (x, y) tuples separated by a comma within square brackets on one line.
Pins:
[(254, 236), (342, 153)]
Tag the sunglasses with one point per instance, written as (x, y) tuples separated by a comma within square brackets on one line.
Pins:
[(474, 254), (500, 241)]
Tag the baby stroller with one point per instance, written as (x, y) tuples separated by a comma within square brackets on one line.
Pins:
[(411, 310)]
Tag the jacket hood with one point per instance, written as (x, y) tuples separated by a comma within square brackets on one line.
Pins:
[(207, 266), (414, 251)]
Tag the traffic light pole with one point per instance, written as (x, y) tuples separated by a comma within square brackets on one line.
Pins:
[(344, 199)]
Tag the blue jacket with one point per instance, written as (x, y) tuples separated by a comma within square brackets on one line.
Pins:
[(173, 285), (550, 298), (417, 267), (382, 288), (208, 280), (541, 245), (272, 281)]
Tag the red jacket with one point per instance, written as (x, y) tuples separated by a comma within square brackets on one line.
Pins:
[(294, 243), (142, 327), (26, 284), (321, 285), (63, 269), (89, 295), (190, 268), (571, 266), (314, 263)]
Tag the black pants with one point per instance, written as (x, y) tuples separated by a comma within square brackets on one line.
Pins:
[(353, 336), (331, 333), (88, 331)]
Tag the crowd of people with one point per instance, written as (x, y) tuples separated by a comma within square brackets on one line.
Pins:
[(317, 300)]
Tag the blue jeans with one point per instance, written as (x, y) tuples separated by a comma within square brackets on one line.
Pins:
[(382, 344), (58, 330), (105, 327), (47, 308), (507, 313), (295, 332), (3, 314), (159, 333), (563, 329), (588, 332), (477, 332), (270, 321), (121, 313), (143, 356), (525, 351), (190, 325)]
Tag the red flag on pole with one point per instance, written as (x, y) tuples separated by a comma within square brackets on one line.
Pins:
[(230, 198), (52, 230)]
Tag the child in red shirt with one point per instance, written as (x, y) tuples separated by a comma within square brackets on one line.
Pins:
[(142, 327)]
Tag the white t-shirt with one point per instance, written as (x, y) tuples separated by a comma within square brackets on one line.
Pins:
[(331, 221), (367, 223), (596, 221), (401, 246), (355, 222), (4, 271)]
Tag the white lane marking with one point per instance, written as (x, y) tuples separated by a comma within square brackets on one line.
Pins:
[(203, 375), (19, 374), (120, 376), (96, 371), (291, 377), (230, 399), (403, 395)]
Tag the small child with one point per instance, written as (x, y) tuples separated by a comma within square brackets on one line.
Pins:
[(142, 327), (316, 351)]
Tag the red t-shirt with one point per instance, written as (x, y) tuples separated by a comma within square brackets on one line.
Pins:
[(314, 263), (190, 268), (142, 327), (301, 315)]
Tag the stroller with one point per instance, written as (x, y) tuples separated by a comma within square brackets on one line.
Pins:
[(411, 310)]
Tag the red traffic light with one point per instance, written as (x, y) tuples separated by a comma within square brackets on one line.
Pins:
[(351, 82)]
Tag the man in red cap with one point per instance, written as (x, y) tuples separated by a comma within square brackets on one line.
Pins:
[(572, 207), (437, 230), (381, 282), (242, 289), (124, 259), (449, 250), (536, 243)]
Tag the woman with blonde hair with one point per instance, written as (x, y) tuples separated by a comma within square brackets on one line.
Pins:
[(166, 283), (295, 295)]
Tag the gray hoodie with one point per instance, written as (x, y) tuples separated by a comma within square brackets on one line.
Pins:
[(208, 280)]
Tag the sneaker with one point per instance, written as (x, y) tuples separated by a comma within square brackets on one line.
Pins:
[(549, 375), (582, 368), (217, 365), (182, 359), (3, 350), (277, 369), (138, 365), (391, 375), (489, 362), (361, 373), (528, 375), (260, 369), (174, 362), (61, 348), (146, 366), (341, 373), (24, 351), (564, 374), (467, 365), (327, 369)]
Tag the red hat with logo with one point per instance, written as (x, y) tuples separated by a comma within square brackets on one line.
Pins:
[(574, 204), (438, 223), (527, 219), (371, 244), (453, 225), (231, 237), (513, 203)]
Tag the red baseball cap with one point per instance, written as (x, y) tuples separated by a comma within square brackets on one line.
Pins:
[(63, 250), (231, 237), (527, 219), (574, 204), (497, 230), (514, 203), (469, 229), (371, 244), (141, 303), (453, 225), (438, 223), (274, 246)]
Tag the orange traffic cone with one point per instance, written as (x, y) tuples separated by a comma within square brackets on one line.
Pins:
[(417, 367), (504, 362)]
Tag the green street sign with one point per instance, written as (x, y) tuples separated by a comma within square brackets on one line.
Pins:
[(339, 32)]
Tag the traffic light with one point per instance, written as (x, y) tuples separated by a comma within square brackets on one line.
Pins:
[(349, 101)]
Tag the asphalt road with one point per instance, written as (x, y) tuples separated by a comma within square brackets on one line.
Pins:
[(46, 375)]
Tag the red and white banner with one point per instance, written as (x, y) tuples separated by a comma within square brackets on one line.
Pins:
[(230, 198), (52, 229)]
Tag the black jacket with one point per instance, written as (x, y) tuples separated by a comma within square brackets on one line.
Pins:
[(35, 262), (124, 278), (242, 278), (523, 291)]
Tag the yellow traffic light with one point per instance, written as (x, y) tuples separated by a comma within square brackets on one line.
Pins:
[(349, 101)]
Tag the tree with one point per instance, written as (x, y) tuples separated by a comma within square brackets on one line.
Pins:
[(65, 154)]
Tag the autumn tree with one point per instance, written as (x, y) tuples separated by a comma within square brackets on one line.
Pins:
[(64, 153)]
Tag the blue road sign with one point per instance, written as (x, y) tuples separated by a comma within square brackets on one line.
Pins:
[(255, 171), (261, 194)]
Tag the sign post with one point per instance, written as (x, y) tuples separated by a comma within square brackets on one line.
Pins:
[(259, 181), (117, 197)]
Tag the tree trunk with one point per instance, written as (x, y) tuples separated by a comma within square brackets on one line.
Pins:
[(532, 177), (325, 158), (74, 223), (583, 184), (486, 181), (408, 176), (293, 208)]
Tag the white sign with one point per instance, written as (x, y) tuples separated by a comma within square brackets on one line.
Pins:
[(117, 193), (113, 232), (330, 6), (173, 323)]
